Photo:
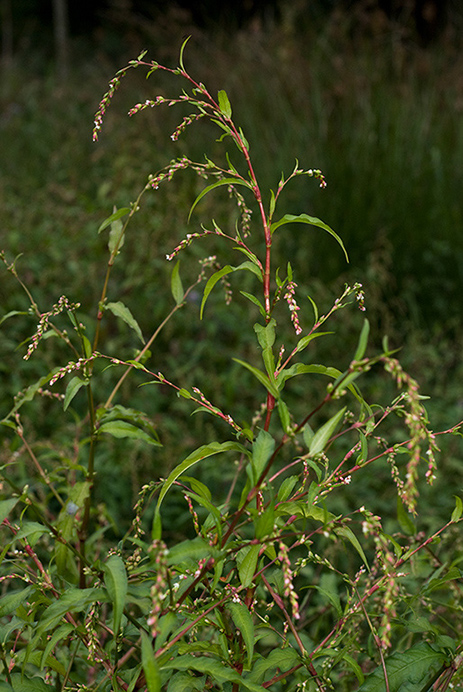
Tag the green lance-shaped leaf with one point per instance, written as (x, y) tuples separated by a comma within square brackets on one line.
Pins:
[(363, 340), (123, 312), (414, 670), (323, 434), (22, 683), (114, 217), (6, 506), (189, 550), (72, 600), (176, 284), (199, 454), (458, 511), (61, 633), (220, 183), (264, 379), (262, 450), (150, 666), (312, 221), (247, 565), (115, 579), (346, 532), (248, 265), (284, 659), (242, 619), (120, 429), (224, 104), (71, 390), (10, 601)]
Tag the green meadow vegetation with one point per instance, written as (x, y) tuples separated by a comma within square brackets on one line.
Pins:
[(230, 362)]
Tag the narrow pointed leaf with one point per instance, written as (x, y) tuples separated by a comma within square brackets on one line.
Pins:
[(264, 379), (116, 583), (176, 284), (150, 666), (312, 221), (248, 565), (262, 450), (71, 390), (114, 217), (198, 455), (123, 312), (224, 104), (322, 436), (363, 340), (220, 183), (242, 619)]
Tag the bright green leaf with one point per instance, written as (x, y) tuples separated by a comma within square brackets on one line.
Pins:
[(248, 564), (6, 506), (323, 434), (363, 340), (346, 532), (176, 284), (114, 217), (262, 450), (224, 104), (458, 511)]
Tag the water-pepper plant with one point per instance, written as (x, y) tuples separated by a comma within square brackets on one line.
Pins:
[(259, 562)]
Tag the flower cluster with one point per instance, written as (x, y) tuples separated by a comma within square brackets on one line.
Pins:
[(293, 306), (288, 590), (416, 421), (360, 296), (158, 589), (105, 101), (70, 367), (62, 304)]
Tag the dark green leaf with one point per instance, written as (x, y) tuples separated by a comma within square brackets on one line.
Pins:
[(120, 429), (242, 619), (150, 666), (412, 671), (71, 390), (116, 583)]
